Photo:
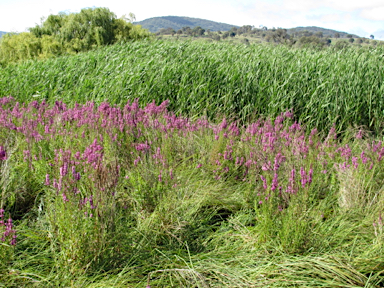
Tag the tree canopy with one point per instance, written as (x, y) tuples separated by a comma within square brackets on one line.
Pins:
[(69, 33)]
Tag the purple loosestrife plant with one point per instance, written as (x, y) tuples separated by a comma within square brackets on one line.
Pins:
[(3, 154), (7, 231)]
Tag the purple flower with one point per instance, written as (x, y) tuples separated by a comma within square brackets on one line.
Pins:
[(3, 155), (47, 182), (354, 162), (359, 134), (303, 177), (275, 183), (264, 182)]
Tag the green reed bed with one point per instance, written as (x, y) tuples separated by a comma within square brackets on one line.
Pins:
[(323, 87), (129, 196)]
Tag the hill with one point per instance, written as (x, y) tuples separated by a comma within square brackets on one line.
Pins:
[(2, 33), (176, 22), (329, 33)]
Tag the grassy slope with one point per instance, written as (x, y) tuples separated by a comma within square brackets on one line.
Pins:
[(200, 78)]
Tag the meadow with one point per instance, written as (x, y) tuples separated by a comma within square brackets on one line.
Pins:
[(166, 164)]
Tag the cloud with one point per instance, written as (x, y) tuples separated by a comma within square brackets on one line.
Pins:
[(376, 14)]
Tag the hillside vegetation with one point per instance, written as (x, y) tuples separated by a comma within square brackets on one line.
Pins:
[(176, 23), (155, 24)]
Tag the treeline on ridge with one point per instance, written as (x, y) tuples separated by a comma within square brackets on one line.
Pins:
[(314, 37), (69, 33)]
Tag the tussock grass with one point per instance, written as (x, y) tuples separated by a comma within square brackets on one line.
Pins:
[(169, 201)]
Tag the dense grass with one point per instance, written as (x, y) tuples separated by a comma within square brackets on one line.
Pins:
[(102, 196), (323, 87), (121, 196)]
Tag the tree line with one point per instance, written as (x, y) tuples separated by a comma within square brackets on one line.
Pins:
[(303, 38)]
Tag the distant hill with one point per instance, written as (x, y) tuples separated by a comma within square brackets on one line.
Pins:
[(327, 33), (2, 33), (176, 22)]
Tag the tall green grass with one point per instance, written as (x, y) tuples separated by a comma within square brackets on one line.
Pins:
[(345, 87)]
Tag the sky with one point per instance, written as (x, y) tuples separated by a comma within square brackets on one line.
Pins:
[(360, 17)]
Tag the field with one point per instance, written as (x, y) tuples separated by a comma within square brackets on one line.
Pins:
[(323, 87), (186, 164)]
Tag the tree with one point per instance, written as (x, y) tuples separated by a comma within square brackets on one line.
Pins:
[(280, 36), (89, 28), (341, 44), (351, 40), (198, 31), (349, 36), (187, 30), (70, 33), (372, 37)]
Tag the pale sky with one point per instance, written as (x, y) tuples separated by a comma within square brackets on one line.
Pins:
[(361, 17)]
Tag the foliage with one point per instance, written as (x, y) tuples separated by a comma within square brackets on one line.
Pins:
[(69, 33), (125, 196), (312, 30), (342, 86), (155, 24)]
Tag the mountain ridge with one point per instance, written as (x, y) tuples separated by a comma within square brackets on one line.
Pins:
[(154, 24)]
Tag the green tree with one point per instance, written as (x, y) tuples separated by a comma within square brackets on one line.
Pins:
[(198, 31), (17, 47), (70, 33), (280, 36), (341, 44), (91, 27)]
